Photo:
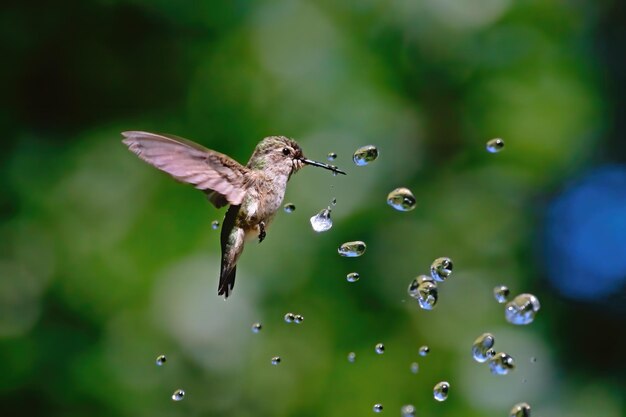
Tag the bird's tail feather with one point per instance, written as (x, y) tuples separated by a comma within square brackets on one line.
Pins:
[(227, 281)]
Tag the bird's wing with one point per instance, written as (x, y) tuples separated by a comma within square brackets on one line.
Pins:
[(221, 177)]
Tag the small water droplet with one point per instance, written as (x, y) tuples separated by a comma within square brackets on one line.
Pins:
[(178, 395), (520, 410), (501, 364), (424, 350), (351, 357), (331, 156), (298, 319), (501, 293), (402, 199), (481, 347), (289, 208), (256, 327), (415, 368), (333, 201), (407, 410), (322, 222), (440, 391), (379, 348), (441, 268), (215, 224), (365, 154), (275, 360), (352, 249), (290, 317), (495, 145), (353, 277), (160, 360), (533, 359), (378, 408), (522, 309)]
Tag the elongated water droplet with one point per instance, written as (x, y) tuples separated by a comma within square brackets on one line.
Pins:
[(424, 350), (352, 249), (322, 222), (331, 156), (441, 268), (501, 293), (351, 357), (178, 395), (289, 208), (256, 327), (365, 154), (290, 317), (275, 360), (353, 277), (298, 319), (415, 368), (379, 348), (481, 347), (378, 408), (495, 145), (440, 391), (160, 360), (215, 224), (402, 199), (520, 410), (407, 410), (522, 309), (501, 364)]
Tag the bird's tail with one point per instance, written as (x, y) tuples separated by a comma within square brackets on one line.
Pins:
[(227, 279)]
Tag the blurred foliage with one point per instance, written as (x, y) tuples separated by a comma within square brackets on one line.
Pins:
[(106, 263)]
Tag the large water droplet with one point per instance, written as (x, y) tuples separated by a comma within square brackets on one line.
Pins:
[(520, 410), (501, 364), (378, 408), (275, 360), (298, 319), (427, 295), (160, 360), (353, 277), (413, 289), (407, 410), (290, 317), (351, 357), (256, 327), (379, 348), (424, 350), (441, 268), (178, 395), (495, 145), (440, 391), (522, 309), (501, 293), (352, 249), (322, 222), (331, 156), (289, 208), (365, 154), (481, 347), (402, 199), (415, 368), (215, 224)]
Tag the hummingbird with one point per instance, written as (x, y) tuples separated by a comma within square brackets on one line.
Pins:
[(254, 192)]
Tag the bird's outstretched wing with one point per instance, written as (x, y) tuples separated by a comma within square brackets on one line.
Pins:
[(221, 177)]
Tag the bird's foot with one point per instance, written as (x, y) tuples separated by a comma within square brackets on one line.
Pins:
[(262, 233)]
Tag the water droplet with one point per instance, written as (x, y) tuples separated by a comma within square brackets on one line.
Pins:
[(491, 353), (522, 309), (352, 249), (407, 410), (351, 357), (160, 360), (275, 360), (402, 199), (441, 268), (427, 295), (520, 410), (424, 350), (290, 317), (322, 222), (289, 208), (481, 347), (415, 368), (501, 293), (298, 319), (533, 359), (353, 277), (379, 348), (332, 156), (215, 224), (333, 201), (501, 364), (364, 155), (256, 327), (495, 145), (413, 289), (178, 395), (378, 408), (440, 391)]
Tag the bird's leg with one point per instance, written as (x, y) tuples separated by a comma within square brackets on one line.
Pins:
[(262, 233)]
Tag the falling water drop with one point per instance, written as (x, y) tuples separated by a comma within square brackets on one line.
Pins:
[(322, 222), (440, 391), (441, 268), (522, 309), (178, 395), (160, 360), (501, 364), (353, 277), (256, 327), (424, 350), (407, 410), (331, 156), (379, 348), (495, 145), (520, 410), (501, 293), (298, 319), (275, 360), (215, 224), (415, 368), (351, 357), (290, 317), (401, 199), (365, 154), (352, 249), (481, 347), (378, 408), (289, 208)]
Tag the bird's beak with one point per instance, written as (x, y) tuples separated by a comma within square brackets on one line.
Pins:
[(322, 165)]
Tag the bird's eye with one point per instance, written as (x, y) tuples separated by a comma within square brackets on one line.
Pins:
[(286, 151)]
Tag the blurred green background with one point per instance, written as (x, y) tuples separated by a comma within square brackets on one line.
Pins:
[(107, 263)]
